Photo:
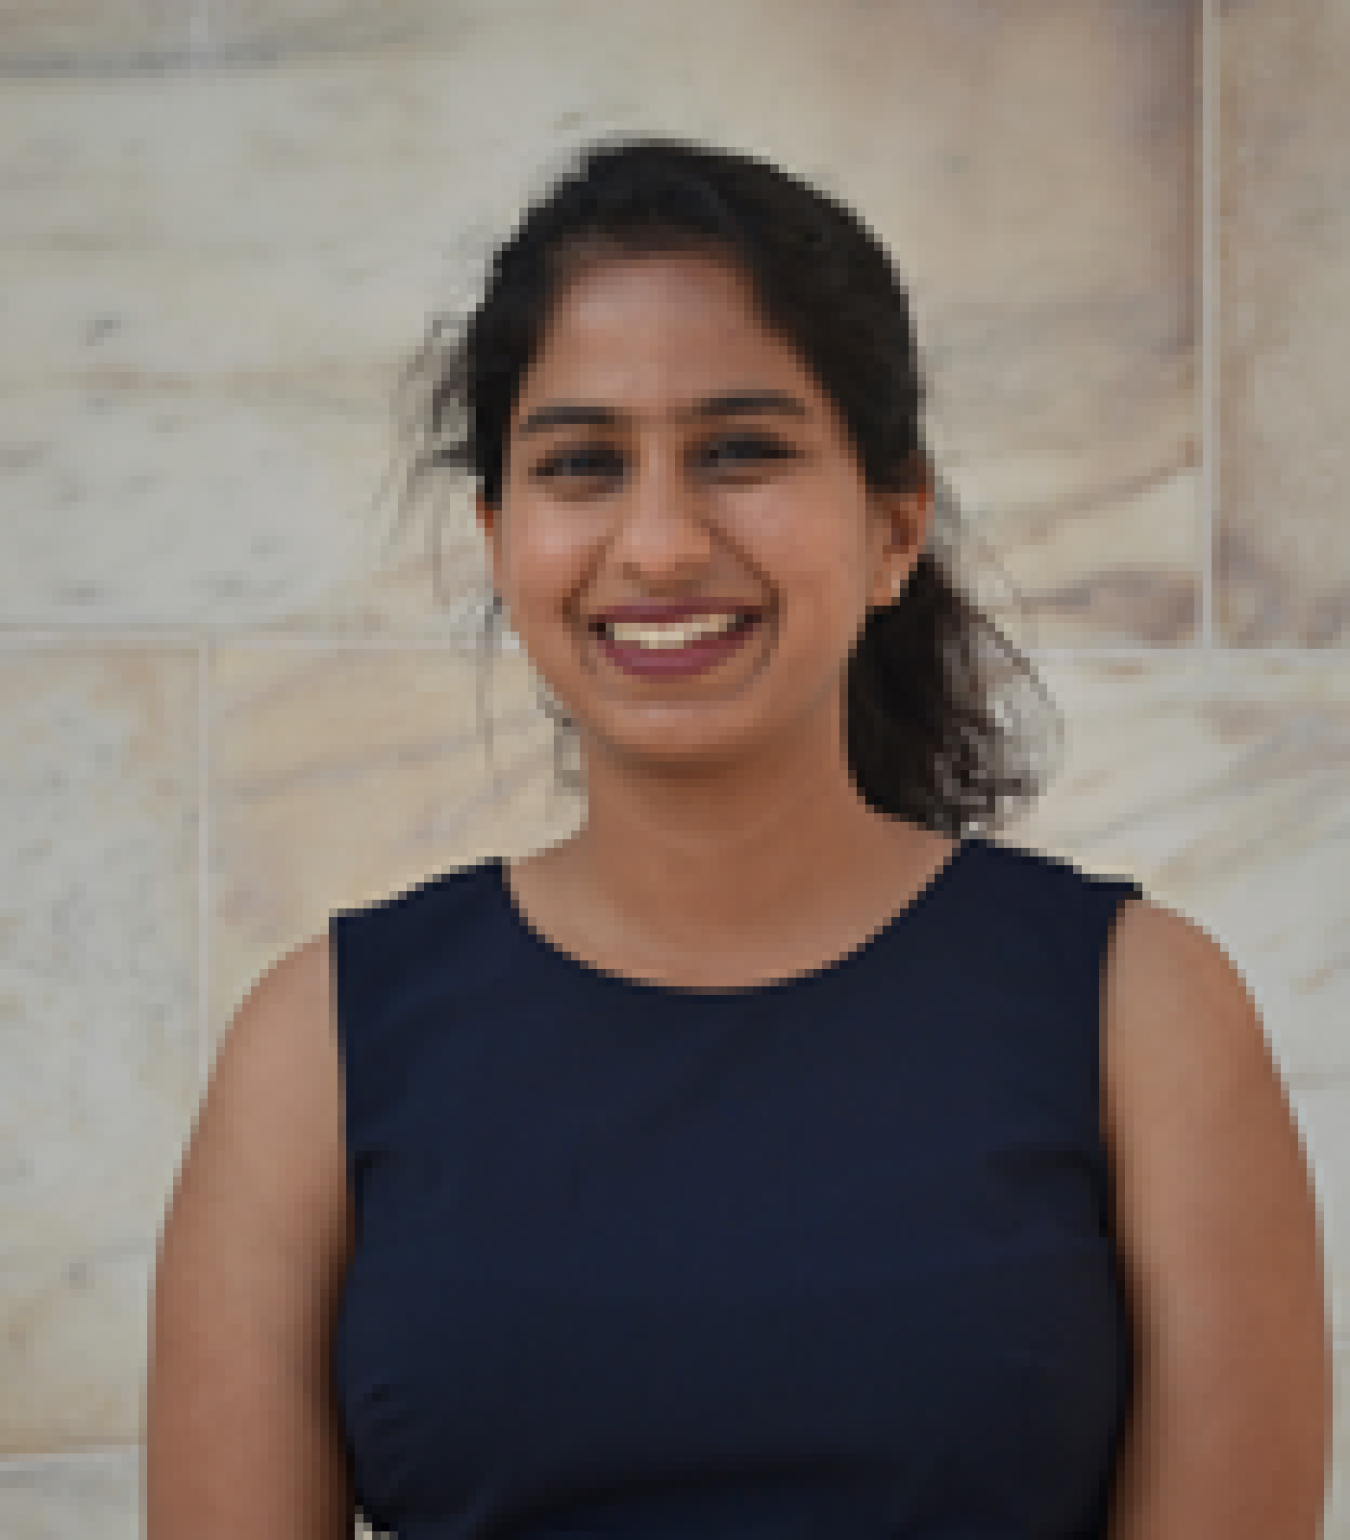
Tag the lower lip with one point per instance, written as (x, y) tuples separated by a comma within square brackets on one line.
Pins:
[(675, 662)]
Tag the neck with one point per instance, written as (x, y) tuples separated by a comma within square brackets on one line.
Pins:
[(758, 849)]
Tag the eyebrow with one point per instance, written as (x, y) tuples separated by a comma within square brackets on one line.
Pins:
[(569, 414)]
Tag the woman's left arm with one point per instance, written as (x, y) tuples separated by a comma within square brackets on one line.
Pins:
[(1220, 1251)]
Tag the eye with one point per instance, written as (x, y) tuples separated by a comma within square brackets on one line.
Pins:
[(585, 464), (595, 462), (746, 449)]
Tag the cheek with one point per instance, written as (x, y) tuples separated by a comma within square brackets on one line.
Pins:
[(802, 543), (548, 548)]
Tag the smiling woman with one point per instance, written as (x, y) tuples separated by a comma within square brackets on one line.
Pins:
[(947, 722), (780, 1154)]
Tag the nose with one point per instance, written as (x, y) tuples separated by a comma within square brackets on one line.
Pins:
[(663, 537)]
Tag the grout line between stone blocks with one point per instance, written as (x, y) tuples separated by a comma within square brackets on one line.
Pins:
[(37, 1459), (205, 649), (94, 637), (1209, 312)]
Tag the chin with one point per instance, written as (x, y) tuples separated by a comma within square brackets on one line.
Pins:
[(699, 742)]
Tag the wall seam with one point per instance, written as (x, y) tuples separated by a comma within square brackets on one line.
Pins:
[(1136, 652), (1209, 316), (39, 1458), (204, 675)]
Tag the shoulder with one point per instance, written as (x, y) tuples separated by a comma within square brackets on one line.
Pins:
[(241, 1425), (1150, 936), (1215, 1223), (267, 1153), (277, 1062), (299, 978), (1184, 1047), (1174, 1001), (285, 1020)]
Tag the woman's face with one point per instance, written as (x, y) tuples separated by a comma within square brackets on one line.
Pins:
[(661, 487)]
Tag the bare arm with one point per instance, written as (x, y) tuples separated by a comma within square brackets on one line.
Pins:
[(242, 1432), (1217, 1228)]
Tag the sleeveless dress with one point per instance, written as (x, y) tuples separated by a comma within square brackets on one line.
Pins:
[(827, 1256)]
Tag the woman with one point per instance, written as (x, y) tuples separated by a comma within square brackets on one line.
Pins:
[(778, 1155)]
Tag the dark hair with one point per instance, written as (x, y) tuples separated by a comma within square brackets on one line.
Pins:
[(929, 736)]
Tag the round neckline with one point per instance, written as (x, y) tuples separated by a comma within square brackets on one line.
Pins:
[(655, 988)]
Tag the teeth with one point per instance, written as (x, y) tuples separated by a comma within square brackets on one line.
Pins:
[(680, 635)]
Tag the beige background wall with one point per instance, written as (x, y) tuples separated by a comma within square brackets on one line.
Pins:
[(228, 709)]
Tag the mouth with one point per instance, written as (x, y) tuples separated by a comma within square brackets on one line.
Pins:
[(742, 621), (650, 654)]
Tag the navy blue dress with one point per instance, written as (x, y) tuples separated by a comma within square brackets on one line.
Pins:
[(828, 1256)]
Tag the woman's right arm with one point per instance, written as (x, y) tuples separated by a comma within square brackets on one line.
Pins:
[(242, 1431)]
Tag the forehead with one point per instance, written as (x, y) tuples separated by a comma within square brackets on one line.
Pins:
[(656, 328)]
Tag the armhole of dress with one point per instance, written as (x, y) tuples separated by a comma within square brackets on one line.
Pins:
[(339, 1009), (1119, 892)]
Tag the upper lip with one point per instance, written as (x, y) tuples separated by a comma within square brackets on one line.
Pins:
[(654, 611)]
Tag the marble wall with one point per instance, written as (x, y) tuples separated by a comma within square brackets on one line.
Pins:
[(234, 703)]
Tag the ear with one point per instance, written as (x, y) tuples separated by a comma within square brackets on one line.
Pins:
[(900, 525)]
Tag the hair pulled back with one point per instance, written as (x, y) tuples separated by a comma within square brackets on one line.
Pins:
[(940, 704)]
